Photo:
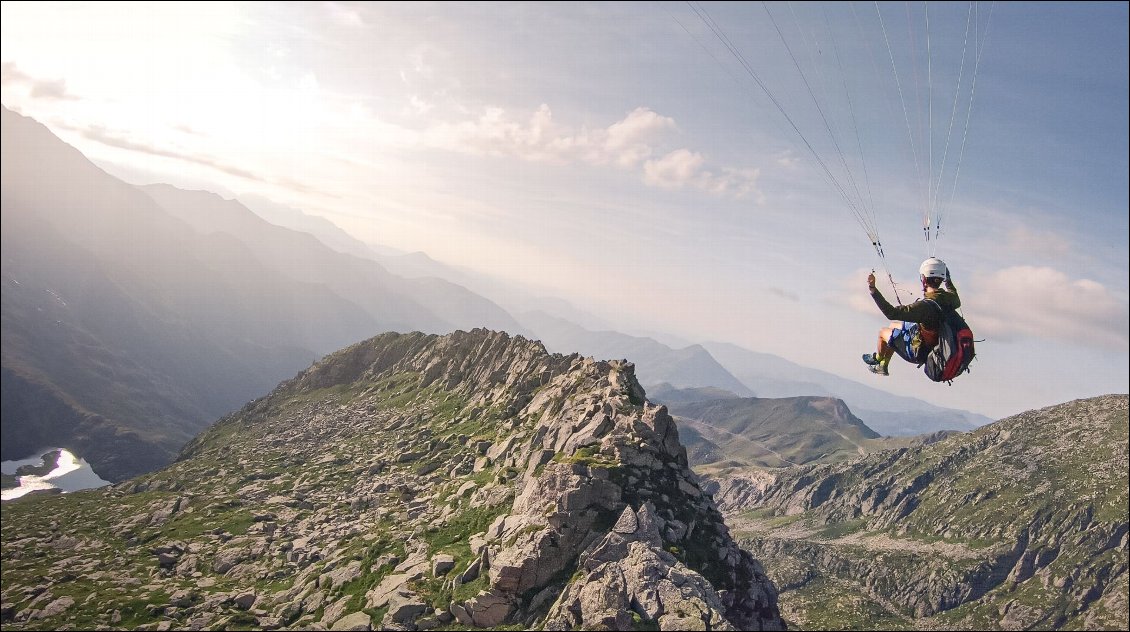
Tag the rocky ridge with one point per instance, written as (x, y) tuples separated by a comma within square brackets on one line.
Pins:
[(407, 482), (1020, 524)]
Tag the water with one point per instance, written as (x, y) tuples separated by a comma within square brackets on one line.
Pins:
[(70, 474)]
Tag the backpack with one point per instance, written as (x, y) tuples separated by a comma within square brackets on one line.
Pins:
[(954, 351)]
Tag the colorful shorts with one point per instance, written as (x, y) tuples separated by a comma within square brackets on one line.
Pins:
[(905, 342)]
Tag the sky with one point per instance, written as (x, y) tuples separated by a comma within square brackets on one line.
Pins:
[(709, 171)]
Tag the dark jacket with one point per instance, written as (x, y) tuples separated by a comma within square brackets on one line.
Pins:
[(921, 311)]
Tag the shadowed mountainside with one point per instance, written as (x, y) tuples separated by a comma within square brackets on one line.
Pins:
[(128, 326)]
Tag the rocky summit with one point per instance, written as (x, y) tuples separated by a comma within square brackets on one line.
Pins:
[(1021, 524), (408, 482)]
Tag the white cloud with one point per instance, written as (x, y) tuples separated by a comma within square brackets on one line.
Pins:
[(626, 141), (419, 106), (788, 160), (738, 182), (1043, 302), (493, 134), (683, 167), (675, 170), (627, 144), (37, 88)]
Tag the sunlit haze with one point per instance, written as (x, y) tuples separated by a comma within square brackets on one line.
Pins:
[(660, 165)]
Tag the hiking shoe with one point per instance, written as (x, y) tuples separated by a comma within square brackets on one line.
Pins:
[(878, 369), (869, 358)]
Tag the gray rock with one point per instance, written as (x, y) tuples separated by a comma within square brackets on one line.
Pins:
[(403, 609), (378, 597), (472, 572), (56, 607), (245, 600), (269, 623), (441, 564), (487, 609), (354, 621), (183, 598), (340, 576), (335, 611)]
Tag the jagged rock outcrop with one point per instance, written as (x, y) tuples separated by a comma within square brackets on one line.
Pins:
[(407, 482), (628, 577), (1019, 524)]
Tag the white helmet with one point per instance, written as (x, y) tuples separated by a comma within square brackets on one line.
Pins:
[(933, 268)]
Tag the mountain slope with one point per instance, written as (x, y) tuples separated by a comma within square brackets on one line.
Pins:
[(322, 229), (430, 305), (408, 481), (776, 432), (1020, 524)]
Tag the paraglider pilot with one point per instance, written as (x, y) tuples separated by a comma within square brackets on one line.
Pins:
[(913, 331)]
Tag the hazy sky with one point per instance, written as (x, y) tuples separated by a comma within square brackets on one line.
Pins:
[(708, 170)]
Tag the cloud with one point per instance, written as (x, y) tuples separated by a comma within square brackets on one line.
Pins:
[(419, 106), (674, 170), (101, 135), (683, 167), (1043, 302), (629, 144), (785, 294), (1044, 244), (344, 16), (493, 134), (39, 89), (626, 142), (787, 160), (51, 90), (9, 74)]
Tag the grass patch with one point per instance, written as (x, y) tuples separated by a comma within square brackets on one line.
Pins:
[(588, 455), (833, 605), (640, 623), (463, 592), (188, 526), (453, 537)]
